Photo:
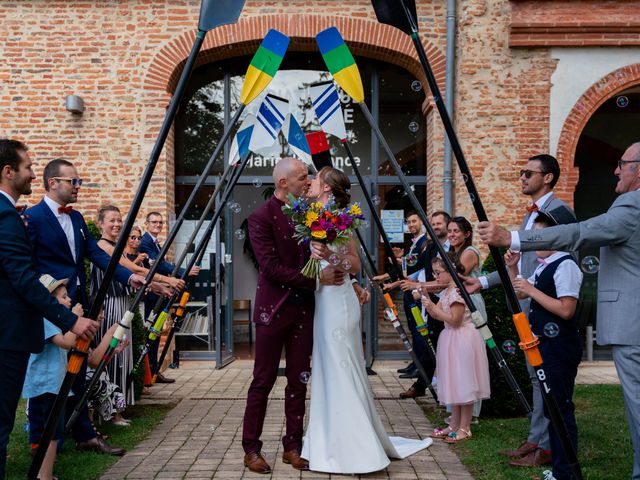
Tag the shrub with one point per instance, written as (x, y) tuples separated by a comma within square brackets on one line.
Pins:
[(503, 402)]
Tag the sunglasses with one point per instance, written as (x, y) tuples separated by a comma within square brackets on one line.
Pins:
[(133, 237), (529, 173), (75, 182)]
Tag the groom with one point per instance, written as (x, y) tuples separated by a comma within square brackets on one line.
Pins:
[(283, 315)]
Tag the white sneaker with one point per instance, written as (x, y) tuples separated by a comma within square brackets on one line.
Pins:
[(548, 475)]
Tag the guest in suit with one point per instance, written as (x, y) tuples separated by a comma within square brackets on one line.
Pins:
[(284, 307), (616, 233), (24, 301), (412, 262), (150, 245), (61, 241), (538, 179)]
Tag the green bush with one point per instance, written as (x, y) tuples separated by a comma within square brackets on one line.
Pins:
[(503, 402)]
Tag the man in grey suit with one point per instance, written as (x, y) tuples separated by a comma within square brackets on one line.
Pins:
[(617, 233), (538, 179)]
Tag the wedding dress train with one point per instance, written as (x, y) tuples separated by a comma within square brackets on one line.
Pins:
[(345, 433)]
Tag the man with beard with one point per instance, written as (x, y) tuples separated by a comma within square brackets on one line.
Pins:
[(538, 179), (24, 301), (284, 309)]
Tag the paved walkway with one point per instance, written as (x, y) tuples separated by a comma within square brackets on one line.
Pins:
[(201, 437)]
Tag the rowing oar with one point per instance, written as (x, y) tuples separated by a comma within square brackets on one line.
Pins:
[(326, 105), (342, 66), (158, 317), (226, 12), (391, 314), (274, 38), (402, 15)]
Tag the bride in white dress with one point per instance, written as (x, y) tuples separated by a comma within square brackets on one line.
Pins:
[(344, 433)]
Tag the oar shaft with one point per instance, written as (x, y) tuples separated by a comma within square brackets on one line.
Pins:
[(512, 299), (185, 209), (391, 316), (374, 213)]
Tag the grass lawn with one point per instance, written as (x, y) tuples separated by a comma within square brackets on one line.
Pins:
[(604, 448), (84, 465)]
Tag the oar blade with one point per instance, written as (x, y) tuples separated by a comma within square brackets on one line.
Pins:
[(264, 65), (340, 63), (240, 144), (326, 105), (296, 139), (269, 119), (214, 13), (320, 150), (391, 12)]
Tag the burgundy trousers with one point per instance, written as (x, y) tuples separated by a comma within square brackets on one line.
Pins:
[(291, 328)]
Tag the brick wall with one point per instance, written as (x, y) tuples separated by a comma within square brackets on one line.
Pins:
[(123, 58)]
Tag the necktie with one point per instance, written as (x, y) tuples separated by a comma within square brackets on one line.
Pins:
[(21, 208), (532, 208), (158, 245), (66, 210)]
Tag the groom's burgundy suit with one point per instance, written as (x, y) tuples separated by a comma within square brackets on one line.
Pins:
[(283, 314)]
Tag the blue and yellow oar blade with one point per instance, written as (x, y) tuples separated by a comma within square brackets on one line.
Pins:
[(340, 63), (264, 65)]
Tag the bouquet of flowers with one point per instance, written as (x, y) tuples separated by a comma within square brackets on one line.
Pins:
[(328, 224)]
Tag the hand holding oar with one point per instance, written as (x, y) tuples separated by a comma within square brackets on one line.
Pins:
[(342, 66)]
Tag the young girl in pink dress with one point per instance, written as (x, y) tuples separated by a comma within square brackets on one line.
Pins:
[(461, 357)]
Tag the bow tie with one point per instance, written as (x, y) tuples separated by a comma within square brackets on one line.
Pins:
[(21, 208), (66, 210), (542, 261), (532, 208)]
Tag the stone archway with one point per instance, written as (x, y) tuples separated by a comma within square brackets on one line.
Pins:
[(366, 37), (577, 119)]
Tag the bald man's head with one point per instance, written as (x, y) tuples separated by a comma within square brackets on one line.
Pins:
[(290, 175)]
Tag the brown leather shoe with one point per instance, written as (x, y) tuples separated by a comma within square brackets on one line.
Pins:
[(162, 379), (255, 462), (97, 444), (524, 449), (293, 458), (537, 458), (411, 393)]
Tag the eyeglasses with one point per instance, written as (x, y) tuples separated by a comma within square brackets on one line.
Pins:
[(529, 173), (622, 162), (159, 222), (437, 273), (133, 237), (75, 182)]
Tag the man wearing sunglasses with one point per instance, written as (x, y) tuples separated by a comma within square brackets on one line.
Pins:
[(617, 233), (538, 178), (61, 241)]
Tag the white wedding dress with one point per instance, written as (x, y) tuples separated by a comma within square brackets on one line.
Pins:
[(344, 433)]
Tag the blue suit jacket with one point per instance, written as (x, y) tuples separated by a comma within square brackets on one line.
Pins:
[(23, 299), (53, 255), (148, 246)]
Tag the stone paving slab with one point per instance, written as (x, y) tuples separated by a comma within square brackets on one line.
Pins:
[(201, 437)]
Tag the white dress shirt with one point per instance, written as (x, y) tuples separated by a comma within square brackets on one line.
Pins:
[(567, 277), (13, 202), (65, 222)]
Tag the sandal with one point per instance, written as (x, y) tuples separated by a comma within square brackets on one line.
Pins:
[(453, 437), (441, 432)]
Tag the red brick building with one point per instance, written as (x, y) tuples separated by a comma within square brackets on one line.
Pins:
[(530, 76)]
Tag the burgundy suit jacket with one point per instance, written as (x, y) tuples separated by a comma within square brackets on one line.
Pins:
[(280, 259)]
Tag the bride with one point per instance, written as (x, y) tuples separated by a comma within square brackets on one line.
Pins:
[(344, 433)]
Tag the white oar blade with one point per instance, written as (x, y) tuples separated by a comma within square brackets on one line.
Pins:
[(326, 104), (269, 119)]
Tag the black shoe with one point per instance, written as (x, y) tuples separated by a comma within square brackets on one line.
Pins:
[(162, 379), (407, 368), (413, 373)]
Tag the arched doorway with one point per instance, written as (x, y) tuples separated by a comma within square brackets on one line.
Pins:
[(602, 141), (395, 97)]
